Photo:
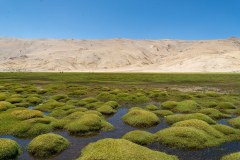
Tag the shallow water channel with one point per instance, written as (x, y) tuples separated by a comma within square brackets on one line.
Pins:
[(77, 143)]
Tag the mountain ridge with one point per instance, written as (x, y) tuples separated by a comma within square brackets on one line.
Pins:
[(119, 55)]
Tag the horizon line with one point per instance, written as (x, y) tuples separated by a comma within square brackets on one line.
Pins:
[(116, 38)]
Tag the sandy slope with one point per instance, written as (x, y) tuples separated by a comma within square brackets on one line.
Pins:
[(119, 55)]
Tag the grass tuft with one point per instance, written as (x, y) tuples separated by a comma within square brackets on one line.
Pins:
[(113, 149), (232, 156), (140, 118), (9, 149), (47, 145), (181, 117), (140, 137)]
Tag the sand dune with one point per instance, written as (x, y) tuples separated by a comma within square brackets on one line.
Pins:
[(119, 55)]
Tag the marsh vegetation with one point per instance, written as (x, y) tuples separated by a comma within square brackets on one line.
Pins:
[(142, 116)]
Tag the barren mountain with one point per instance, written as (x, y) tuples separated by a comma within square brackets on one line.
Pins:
[(119, 55)]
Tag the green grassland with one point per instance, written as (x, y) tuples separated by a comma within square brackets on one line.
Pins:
[(213, 79)]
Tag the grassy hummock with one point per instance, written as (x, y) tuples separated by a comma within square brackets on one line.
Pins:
[(181, 117), (151, 107), (9, 149), (60, 98), (3, 96), (21, 122), (47, 145), (14, 100), (209, 104), (114, 149), (113, 104), (31, 127), (169, 105), (87, 124), (26, 114), (235, 122), (106, 109), (214, 113), (191, 134), (140, 137), (49, 105), (163, 112), (229, 132), (226, 105), (138, 117), (5, 105), (136, 98), (34, 100), (232, 156), (201, 125), (105, 96), (187, 106)]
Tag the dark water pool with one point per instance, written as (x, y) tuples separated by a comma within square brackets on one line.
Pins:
[(77, 143)]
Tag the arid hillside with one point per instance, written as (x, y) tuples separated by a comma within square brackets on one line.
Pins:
[(119, 55)]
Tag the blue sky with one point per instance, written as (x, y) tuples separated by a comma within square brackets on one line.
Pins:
[(135, 19)]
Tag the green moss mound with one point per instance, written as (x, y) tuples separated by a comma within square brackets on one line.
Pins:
[(47, 145), (209, 104), (113, 104), (201, 125), (61, 112), (31, 127), (49, 105), (229, 132), (106, 96), (34, 100), (60, 98), (3, 96), (93, 105), (214, 113), (163, 113), (106, 126), (26, 114), (78, 93), (151, 107), (140, 118), (187, 106), (14, 100), (187, 136), (169, 105), (232, 156), (140, 137), (89, 100), (235, 122), (135, 98), (226, 105), (184, 96), (140, 98), (114, 149), (106, 109), (22, 104), (87, 124), (93, 112), (5, 105), (9, 149), (21, 122), (158, 95), (181, 117)]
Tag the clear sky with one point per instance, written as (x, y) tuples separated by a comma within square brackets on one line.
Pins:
[(136, 19)]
